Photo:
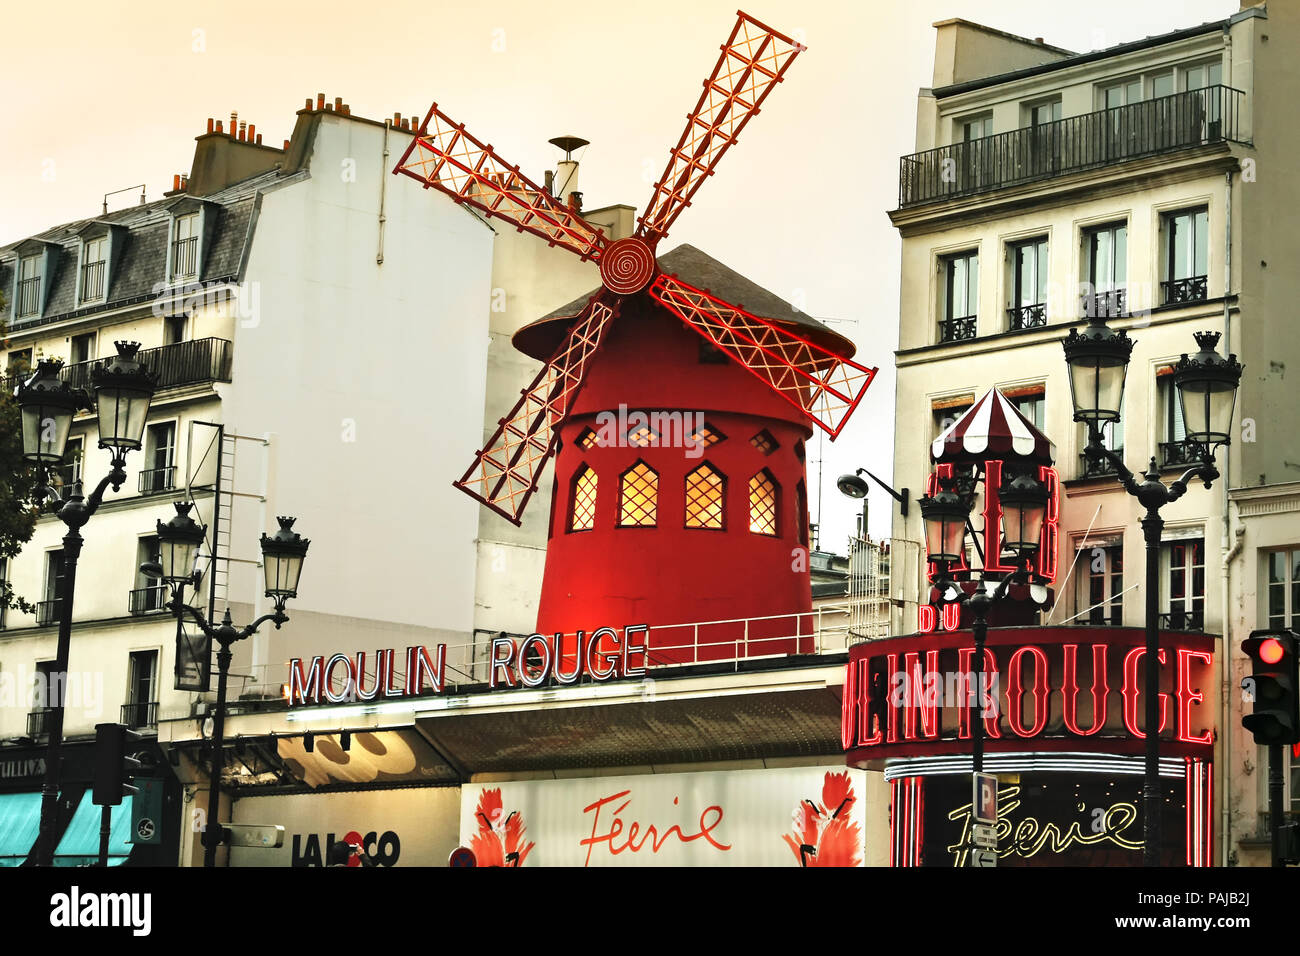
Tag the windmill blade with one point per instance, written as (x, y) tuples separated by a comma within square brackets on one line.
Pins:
[(754, 59), (824, 386), (444, 156), (505, 473)]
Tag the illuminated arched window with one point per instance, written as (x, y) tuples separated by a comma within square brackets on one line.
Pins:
[(802, 517), (639, 497), (762, 503), (704, 497), (582, 505)]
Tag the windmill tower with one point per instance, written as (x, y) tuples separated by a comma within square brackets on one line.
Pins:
[(707, 521)]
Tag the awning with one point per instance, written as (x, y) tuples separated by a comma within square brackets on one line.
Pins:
[(80, 843), (20, 823), (992, 428)]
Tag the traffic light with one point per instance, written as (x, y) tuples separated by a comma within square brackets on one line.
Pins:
[(1273, 679), (112, 765)]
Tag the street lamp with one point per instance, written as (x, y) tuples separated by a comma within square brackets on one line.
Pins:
[(122, 393), (1207, 391), (282, 557)]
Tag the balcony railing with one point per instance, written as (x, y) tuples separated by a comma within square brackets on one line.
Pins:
[(155, 480), (1175, 453), (150, 600), (38, 722), (185, 258), (1028, 316), (954, 330), (1097, 467), (140, 715), (1103, 138), (28, 297), (178, 365), (92, 281), (47, 612), (1190, 289), (1183, 621), (1108, 305)]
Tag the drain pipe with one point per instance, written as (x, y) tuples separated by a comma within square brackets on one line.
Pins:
[(383, 191), (1225, 657)]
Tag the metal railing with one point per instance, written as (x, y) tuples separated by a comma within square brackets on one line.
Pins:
[(92, 281), (955, 330), (47, 612), (1097, 467), (38, 722), (150, 600), (140, 715), (1109, 305), (185, 257), (1101, 138), (1028, 316), (155, 480), (1189, 289), (1177, 453), (177, 365), (28, 300), (1183, 621)]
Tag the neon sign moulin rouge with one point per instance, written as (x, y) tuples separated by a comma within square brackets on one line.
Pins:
[(532, 662), (1072, 688)]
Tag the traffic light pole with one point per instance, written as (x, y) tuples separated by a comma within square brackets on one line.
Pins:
[(1275, 802), (105, 824)]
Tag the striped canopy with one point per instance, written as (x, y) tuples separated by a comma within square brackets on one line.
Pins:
[(992, 428)]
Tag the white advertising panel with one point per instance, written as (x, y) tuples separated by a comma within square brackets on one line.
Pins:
[(810, 816)]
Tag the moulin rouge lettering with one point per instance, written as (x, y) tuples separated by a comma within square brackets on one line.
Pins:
[(638, 836)]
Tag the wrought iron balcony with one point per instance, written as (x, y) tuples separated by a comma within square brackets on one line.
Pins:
[(1028, 316), (1108, 305), (1190, 289), (1092, 140), (156, 480), (38, 722), (1097, 467), (47, 612), (29, 297), (954, 330), (150, 600), (140, 715), (92, 281), (1180, 453), (185, 257), (1183, 621), (178, 365)]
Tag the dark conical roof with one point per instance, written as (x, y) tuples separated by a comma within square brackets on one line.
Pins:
[(541, 338)]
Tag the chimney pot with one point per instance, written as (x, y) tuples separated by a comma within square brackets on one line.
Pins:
[(338, 103), (1038, 40), (320, 101), (329, 107), (286, 146), (251, 131), (243, 129), (415, 122), (308, 106), (176, 181), (259, 139), (209, 124), (347, 110), (219, 129), (397, 119)]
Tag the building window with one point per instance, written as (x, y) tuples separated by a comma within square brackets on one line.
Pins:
[(642, 436), (18, 362), (975, 127), (706, 435), (1100, 590), (764, 442), (69, 472), (159, 459), (1186, 265), (1201, 75), (148, 595), (801, 494), (141, 709), (1040, 114), (638, 497), (961, 284), (1175, 449), (1161, 84), (1112, 438), (705, 495), (1123, 93), (945, 413), (1283, 589), (1184, 585), (185, 247), (1106, 259), (81, 348), (94, 266), (762, 503), (1032, 404), (28, 300), (174, 329), (47, 611), (582, 506), (1028, 284)]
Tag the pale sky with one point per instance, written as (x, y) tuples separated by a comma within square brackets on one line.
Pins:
[(107, 96)]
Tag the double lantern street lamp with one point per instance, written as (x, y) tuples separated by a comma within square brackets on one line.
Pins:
[(122, 392), (282, 555), (1206, 384)]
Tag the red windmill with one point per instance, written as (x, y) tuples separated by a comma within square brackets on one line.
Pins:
[(651, 362)]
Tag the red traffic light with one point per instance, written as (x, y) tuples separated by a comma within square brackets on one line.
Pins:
[(1271, 650)]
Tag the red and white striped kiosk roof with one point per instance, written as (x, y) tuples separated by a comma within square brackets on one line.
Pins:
[(992, 427)]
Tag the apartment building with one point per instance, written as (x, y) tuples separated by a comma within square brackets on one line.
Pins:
[(1139, 182)]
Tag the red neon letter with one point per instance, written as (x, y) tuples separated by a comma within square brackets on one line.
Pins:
[(1047, 544), (993, 518), (918, 698), (951, 617), (1187, 696), (1015, 690), (1070, 689), (970, 688), (925, 618), (1131, 692)]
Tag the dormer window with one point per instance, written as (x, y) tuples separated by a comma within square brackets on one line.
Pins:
[(185, 247), (28, 298), (94, 269)]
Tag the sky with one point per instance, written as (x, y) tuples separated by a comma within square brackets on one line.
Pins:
[(110, 96)]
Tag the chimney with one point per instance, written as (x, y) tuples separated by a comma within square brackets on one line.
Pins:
[(550, 183), (234, 118), (251, 131), (210, 124), (320, 101), (575, 201), (231, 156), (243, 129), (565, 182)]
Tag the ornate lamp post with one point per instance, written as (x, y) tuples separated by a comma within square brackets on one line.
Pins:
[(123, 391), (1207, 390), (282, 556), (1024, 508)]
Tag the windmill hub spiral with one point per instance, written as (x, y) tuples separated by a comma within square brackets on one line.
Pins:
[(627, 266)]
